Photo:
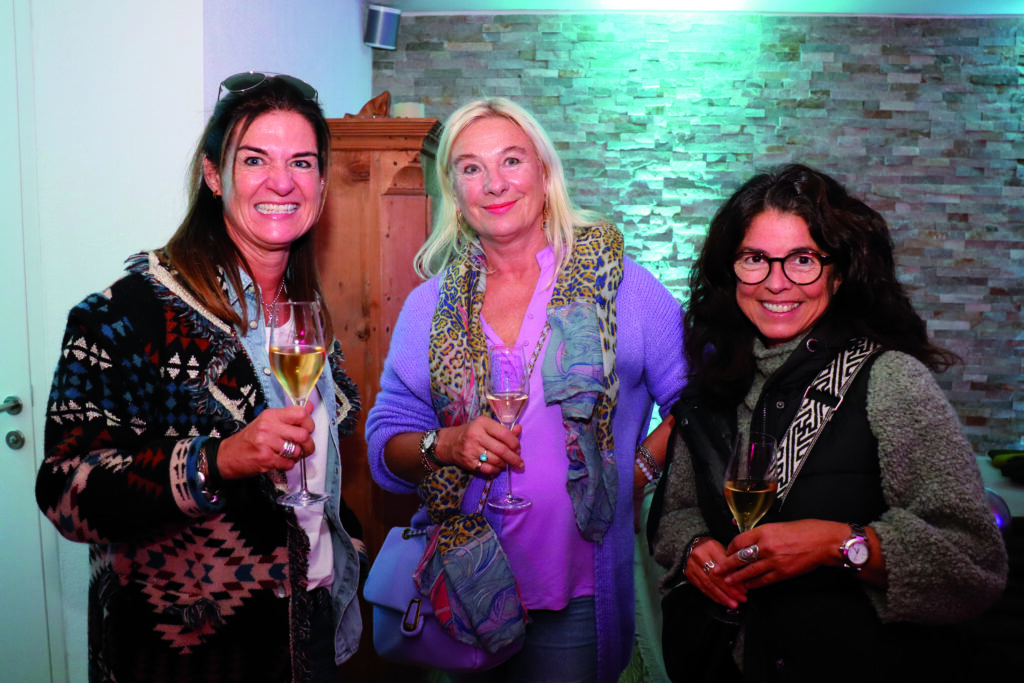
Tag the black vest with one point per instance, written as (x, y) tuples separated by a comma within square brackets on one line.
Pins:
[(819, 626)]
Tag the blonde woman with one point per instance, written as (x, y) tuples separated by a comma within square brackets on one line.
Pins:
[(512, 261)]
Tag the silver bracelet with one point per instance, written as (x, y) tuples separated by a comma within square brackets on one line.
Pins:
[(691, 545), (647, 464)]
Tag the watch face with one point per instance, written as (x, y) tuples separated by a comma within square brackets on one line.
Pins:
[(429, 439), (857, 552)]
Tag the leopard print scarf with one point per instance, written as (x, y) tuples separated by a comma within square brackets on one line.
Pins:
[(578, 369)]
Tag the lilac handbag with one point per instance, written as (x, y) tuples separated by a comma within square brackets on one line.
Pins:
[(405, 630)]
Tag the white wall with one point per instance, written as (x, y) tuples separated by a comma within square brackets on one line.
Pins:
[(319, 41), (121, 90), (118, 103)]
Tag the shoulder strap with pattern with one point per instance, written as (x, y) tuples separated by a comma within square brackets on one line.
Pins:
[(821, 399)]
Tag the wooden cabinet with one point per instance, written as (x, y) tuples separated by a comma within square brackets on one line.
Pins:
[(375, 219)]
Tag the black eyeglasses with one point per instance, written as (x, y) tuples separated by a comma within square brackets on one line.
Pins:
[(800, 267), (247, 80)]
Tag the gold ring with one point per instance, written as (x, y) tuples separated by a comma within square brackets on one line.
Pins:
[(708, 566)]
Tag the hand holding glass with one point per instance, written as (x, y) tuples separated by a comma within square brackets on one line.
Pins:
[(508, 390), (750, 490), (297, 355)]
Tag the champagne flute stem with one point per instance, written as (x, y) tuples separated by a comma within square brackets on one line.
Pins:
[(302, 461), (508, 472)]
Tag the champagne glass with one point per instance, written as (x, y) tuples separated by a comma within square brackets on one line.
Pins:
[(297, 355), (508, 389), (750, 490), (750, 482)]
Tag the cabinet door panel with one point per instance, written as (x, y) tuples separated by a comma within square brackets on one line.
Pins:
[(375, 218)]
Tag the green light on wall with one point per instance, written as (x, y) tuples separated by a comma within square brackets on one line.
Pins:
[(883, 7)]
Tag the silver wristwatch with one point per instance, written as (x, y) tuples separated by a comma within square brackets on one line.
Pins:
[(855, 549), (428, 446), (202, 475)]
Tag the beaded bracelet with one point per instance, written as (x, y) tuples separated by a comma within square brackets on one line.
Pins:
[(428, 465), (647, 464)]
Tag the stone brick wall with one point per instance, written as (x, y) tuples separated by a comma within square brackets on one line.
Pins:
[(658, 117)]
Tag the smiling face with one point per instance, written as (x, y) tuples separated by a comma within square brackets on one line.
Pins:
[(781, 310), (271, 184), (499, 180)]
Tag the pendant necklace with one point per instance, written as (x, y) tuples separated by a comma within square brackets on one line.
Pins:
[(268, 310)]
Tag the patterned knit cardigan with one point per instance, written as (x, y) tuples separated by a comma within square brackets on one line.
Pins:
[(181, 589)]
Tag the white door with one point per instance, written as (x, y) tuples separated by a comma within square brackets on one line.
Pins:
[(24, 645)]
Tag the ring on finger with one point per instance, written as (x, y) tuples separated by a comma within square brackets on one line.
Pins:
[(708, 566), (748, 554), (484, 456), (479, 464), (289, 449)]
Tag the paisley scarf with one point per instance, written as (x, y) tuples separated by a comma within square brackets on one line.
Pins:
[(463, 554), (579, 373)]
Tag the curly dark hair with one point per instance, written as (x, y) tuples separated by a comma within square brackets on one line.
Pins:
[(870, 301), (201, 246)]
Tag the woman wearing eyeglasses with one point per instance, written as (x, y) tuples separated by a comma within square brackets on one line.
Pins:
[(168, 440), (880, 538)]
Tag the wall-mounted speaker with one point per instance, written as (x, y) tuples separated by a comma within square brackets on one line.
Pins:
[(381, 26)]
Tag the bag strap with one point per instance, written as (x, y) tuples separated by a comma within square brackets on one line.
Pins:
[(821, 399), (483, 496)]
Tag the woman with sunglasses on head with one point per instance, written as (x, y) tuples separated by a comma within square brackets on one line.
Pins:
[(880, 538), (168, 440)]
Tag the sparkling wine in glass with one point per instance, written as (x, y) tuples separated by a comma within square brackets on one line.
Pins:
[(750, 490), (508, 389), (750, 483), (297, 355)]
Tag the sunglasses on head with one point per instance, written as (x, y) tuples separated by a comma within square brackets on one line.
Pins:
[(247, 80)]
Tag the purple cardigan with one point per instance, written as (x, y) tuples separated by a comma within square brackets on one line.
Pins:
[(650, 365)]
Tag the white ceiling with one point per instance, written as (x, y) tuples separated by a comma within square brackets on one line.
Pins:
[(887, 7)]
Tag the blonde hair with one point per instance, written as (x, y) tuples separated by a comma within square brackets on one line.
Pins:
[(450, 236)]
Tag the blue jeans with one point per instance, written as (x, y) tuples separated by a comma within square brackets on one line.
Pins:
[(560, 647)]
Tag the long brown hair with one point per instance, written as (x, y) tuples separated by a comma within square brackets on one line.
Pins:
[(201, 249)]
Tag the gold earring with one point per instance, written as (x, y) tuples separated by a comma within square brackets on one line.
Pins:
[(544, 216)]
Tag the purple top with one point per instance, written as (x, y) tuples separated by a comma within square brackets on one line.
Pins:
[(565, 569), (542, 543)]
